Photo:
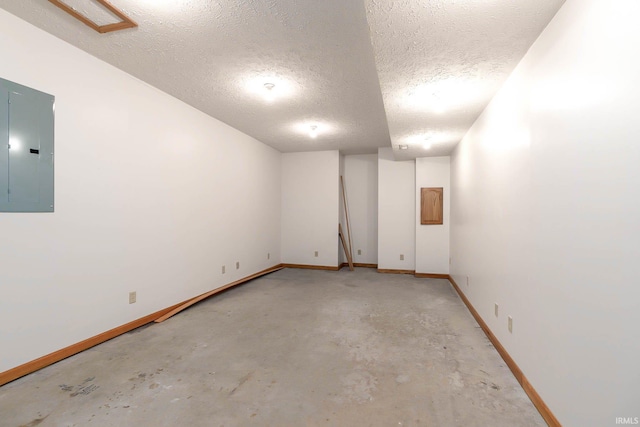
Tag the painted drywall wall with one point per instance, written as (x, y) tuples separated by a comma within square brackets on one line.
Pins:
[(432, 241), (310, 208), (151, 196), (396, 212), (545, 213), (361, 182)]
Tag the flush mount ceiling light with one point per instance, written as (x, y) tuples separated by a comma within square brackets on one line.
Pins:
[(445, 95), (100, 15), (437, 106), (268, 92), (403, 147), (428, 141), (433, 137), (268, 86), (315, 127)]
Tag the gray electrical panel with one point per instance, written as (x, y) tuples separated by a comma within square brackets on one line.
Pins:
[(26, 149)]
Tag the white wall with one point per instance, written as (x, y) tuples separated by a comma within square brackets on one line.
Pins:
[(396, 212), (545, 213), (310, 208), (151, 196), (432, 241), (361, 182)]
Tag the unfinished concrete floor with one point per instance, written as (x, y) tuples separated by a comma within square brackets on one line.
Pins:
[(294, 348)]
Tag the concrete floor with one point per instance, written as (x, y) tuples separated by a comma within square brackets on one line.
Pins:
[(294, 348)]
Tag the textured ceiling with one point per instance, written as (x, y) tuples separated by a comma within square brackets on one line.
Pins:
[(216, 55), (441, 61), (438, 63)]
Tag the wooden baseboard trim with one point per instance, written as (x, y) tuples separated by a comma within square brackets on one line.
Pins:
[(387, 271), (542, 407), (56, 356), (199, 298), (432, 276), (359, 264), (312, 267), (161, 315), (537, 401)]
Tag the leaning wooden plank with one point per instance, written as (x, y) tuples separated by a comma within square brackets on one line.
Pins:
[(346, 214), (215, 291), (56, 356), (344, 246)]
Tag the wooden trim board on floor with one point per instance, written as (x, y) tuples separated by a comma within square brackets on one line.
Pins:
[(215, 291), (544, 410), (56, 356)]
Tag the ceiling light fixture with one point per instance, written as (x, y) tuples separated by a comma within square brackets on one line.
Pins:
[(403, 147), (314, 127), (438, 105), (446, 95), (433, 138), (268, 94)]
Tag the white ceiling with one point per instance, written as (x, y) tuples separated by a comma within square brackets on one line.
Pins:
[(436, 63), (441, 61)]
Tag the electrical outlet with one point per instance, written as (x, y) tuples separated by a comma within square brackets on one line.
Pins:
[(237, 265), (495, 309), (510, 324), (268, 255), (132, 297), (315, 254), (401, 257), (467, 281), (224, 269), (359, 251)]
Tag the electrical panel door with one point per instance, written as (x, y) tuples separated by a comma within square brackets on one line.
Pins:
[(26, 156)]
